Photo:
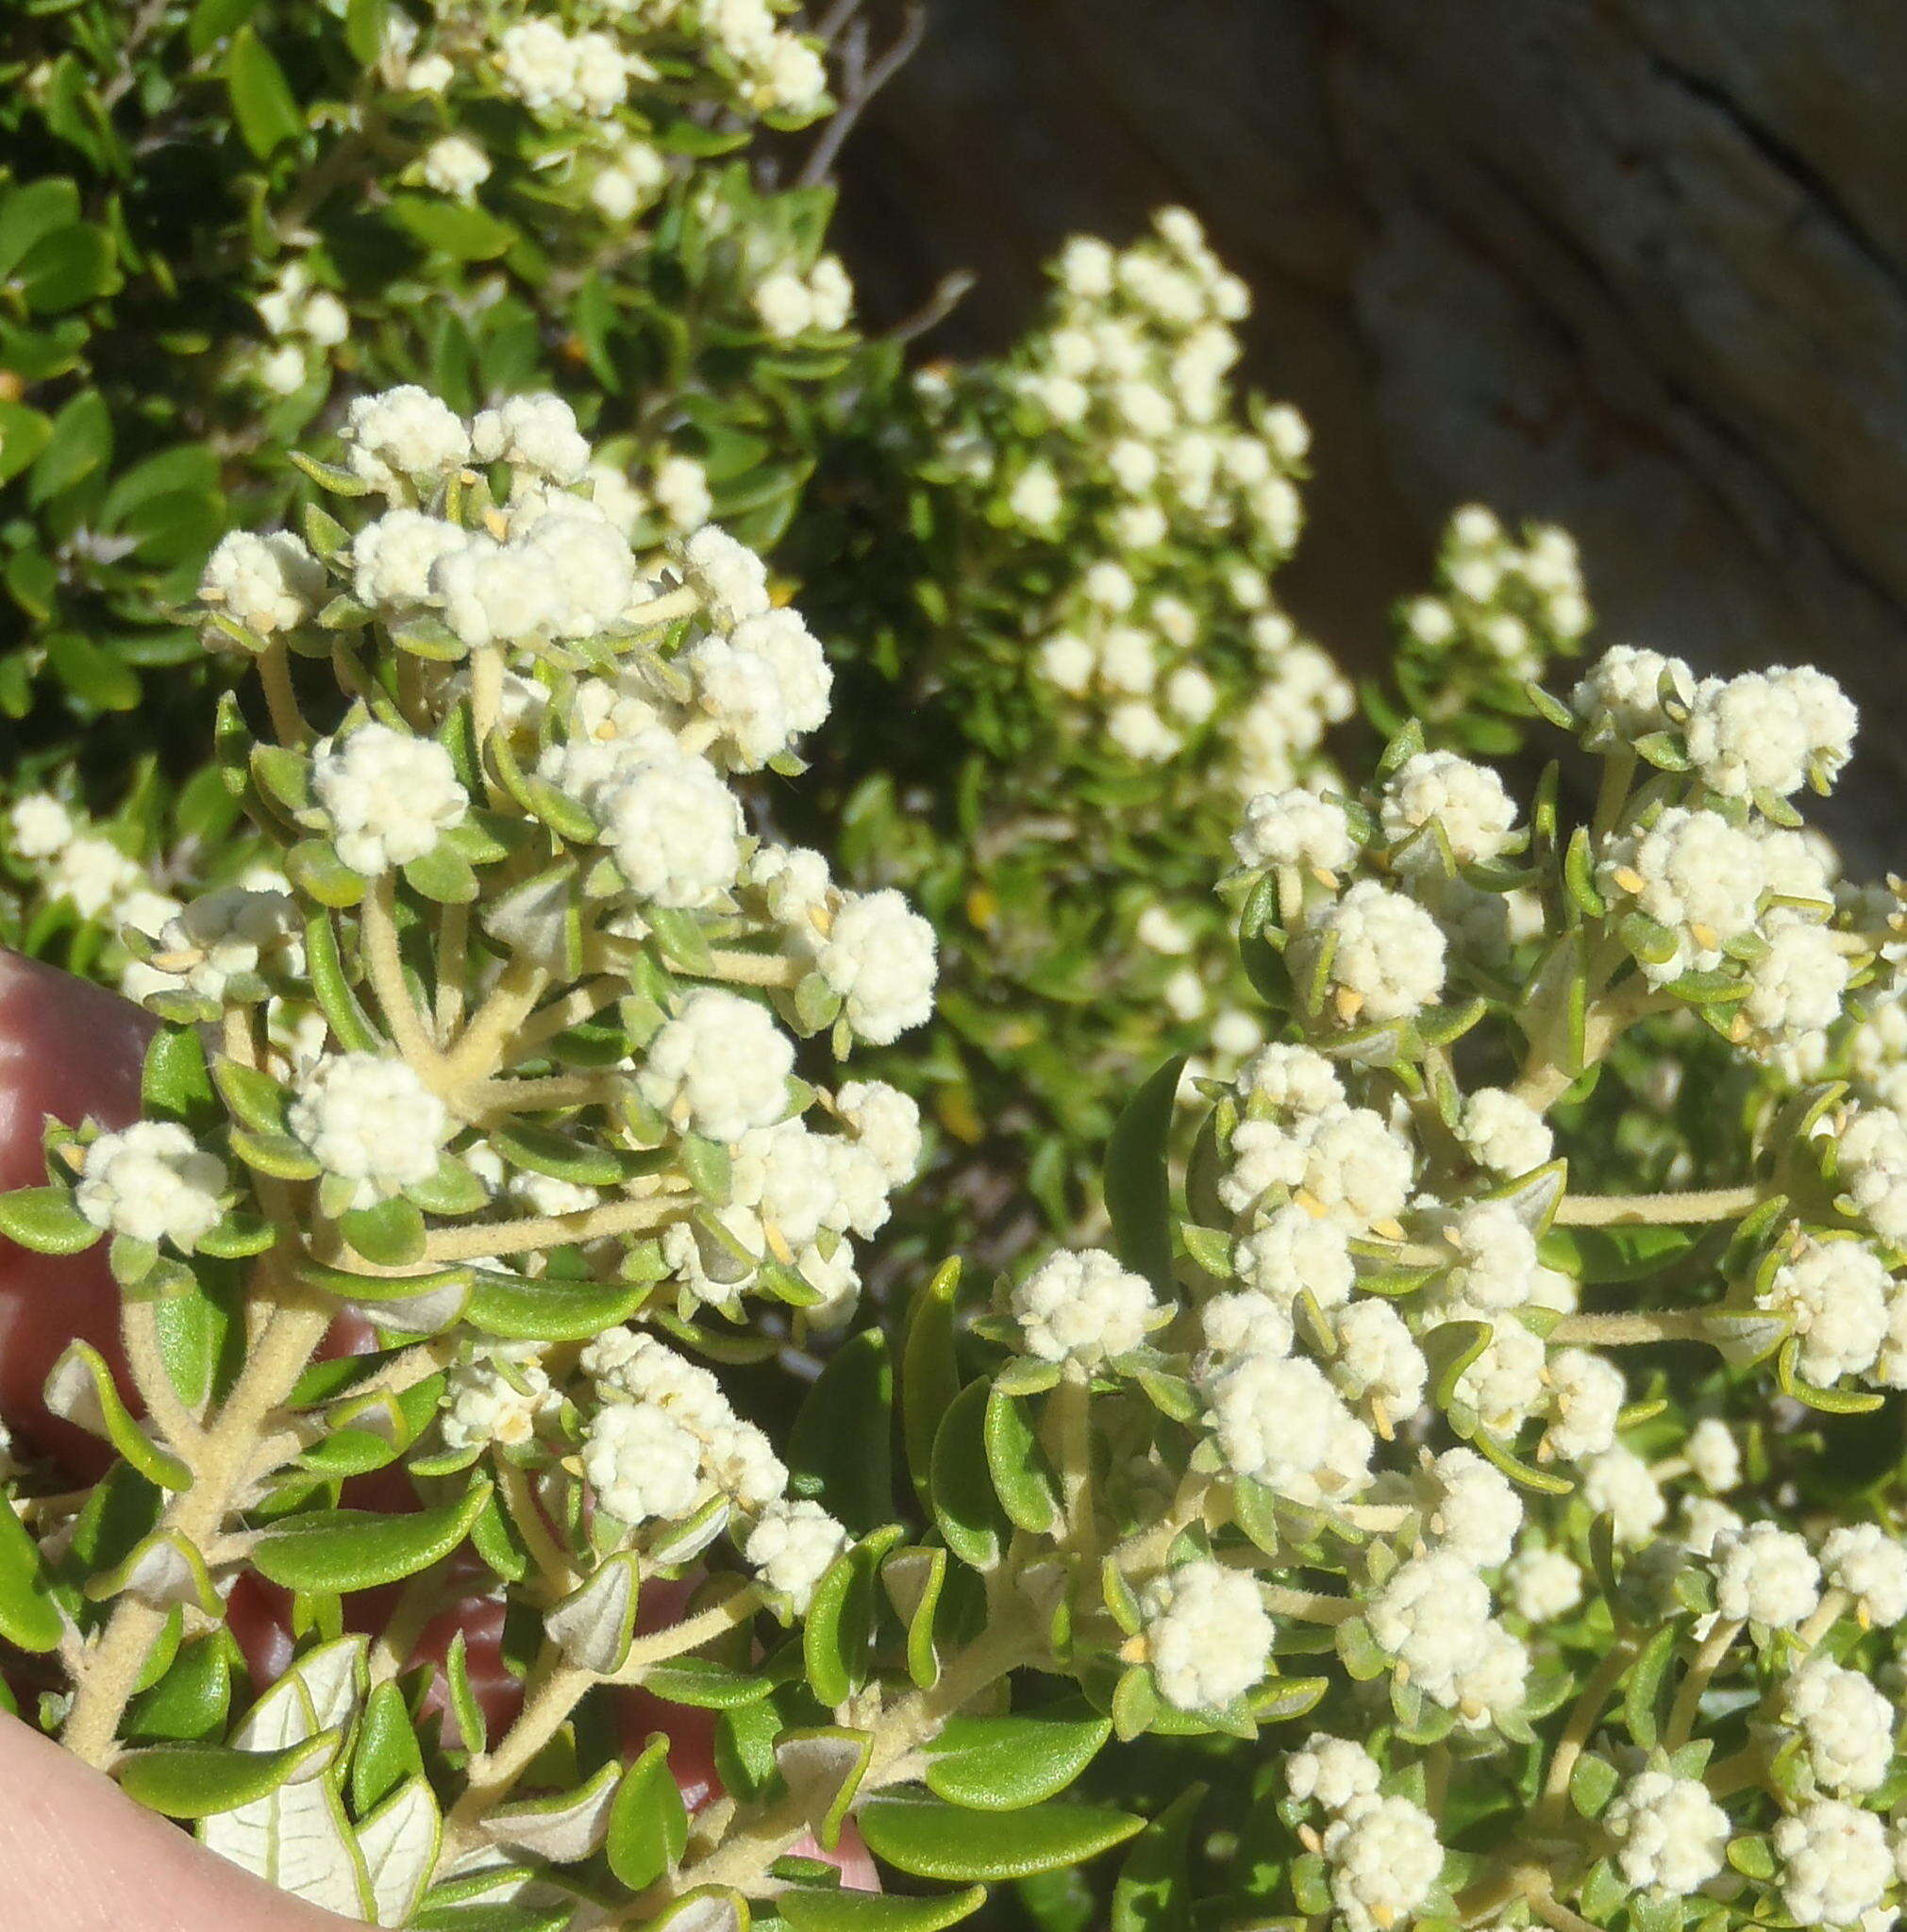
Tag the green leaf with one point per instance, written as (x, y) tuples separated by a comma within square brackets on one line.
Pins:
[(928, 1838), (314, 867), (66, 268), (840, 1451), (965, 1508), (1138, 1181), (1006, 1763), (649, 1826), (1018, 1465), (30, 213), (390, 1235), (262, 101), (519, 1309), (387, 1752), (253, 1095), (30, 1618), (345, 1550), (458, 229), (332, 989), (81, 1388), (199, 1780), (175, 1080), (45, 1219), (1643, 1692), (831, 1909), (1152, 1892), (190, 1702), (839, 1621), (929, 1374), (364, 22), (212, 20)]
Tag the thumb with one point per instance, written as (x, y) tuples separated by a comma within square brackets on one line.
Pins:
[(87, 1860)]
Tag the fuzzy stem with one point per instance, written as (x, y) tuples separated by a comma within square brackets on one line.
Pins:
[(1631, 1330), (275, 674), (666, 609), (751, 969), (453, 955), (743, 1858), (139, 1328), (1659, 1210), (580, 1004), (554, 1230), (220, 1471), (1307, 1605), (479, 1049), (1707, 1661), (385, 963), (1577, 1732)]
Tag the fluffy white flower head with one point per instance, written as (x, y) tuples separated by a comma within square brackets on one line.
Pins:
[(151, 1182), (1082, 1307), (390, 797), (1208, 1633), (371, 1121)]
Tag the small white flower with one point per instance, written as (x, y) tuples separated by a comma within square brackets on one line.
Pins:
[(537, 433), (1714, 1455), (1834, 1295), (1503, 1133), (880, 956), (1671, 1836), (784, 304), (1766, 1575), (723, 1061), (1466, 802), (1334, 1773), (1208, 1633), (455, 166), (1385, 1858), (1294, 1252), (1082, 1307), (1617, 1483), (1385, 957), (1280, 1422), (1472, 1508), (268, 583), (403, 434), (1872, 1566), (792, 1547), (1543, 1585), (642, 1463), (1836, 1865), (675, 829), (151, 1182), (729, 576), (390, 797), (1294, 827), (1586, 1397), (497, 1396), (369, 1120), (886, 1122), (1846, 1725), (39, 824)]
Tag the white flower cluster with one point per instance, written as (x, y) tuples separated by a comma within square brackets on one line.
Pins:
[(1207, 1633), (1504, 604), (387, 796), (152, 1182), (1138, 461), (369, 1121), (1083, 1307), (789, 304)]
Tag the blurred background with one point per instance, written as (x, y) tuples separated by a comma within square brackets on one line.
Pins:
[(1637, 266)]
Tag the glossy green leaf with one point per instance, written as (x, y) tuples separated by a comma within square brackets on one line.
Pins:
[(1017, 1463), (1006, 1763), (197, 1780), (965, 1508), (30, 1618), (840, 1451), (1138, 1180), (263, 103), (649, 1826), (45, 1219), (929, 1839), (827, 1909), (345, 1550)]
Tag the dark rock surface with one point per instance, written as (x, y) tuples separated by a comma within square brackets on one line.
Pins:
[(1636, 265)]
